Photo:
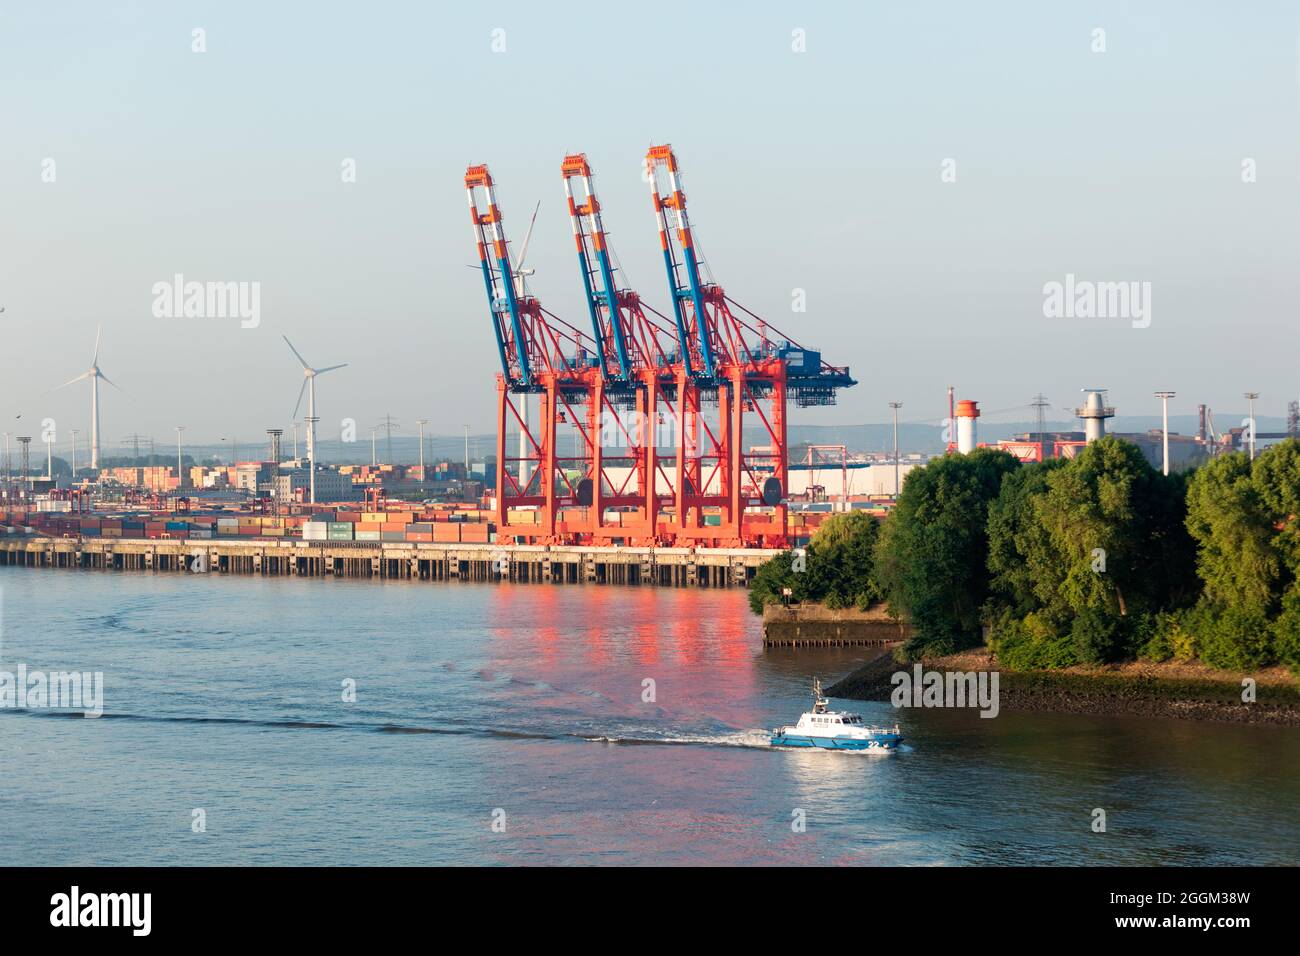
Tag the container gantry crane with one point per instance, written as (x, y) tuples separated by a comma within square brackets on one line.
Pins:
[(540, 354), (634, 374), (703, 371), (719, 367)]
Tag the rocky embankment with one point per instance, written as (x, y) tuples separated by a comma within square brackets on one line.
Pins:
[(1188, 691)]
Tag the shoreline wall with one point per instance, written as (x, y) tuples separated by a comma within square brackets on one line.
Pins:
[(658, 567), (814, 625)]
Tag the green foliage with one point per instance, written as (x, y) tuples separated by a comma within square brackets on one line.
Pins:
[(1170, 638), (1243, 516), (1286, 631), (841, 559), (1088, 549), (1015, 534), (838, 567), (1234, 638), (1032, 643), (771, 579), (931, 559), (1201, 566), (1096, 636), (1233, 529)]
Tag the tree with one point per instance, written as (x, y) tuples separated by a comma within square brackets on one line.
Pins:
[(841, 560), (771, 580), (1233, 529), (1015, 535), (932, 556), (1083, 554), (1243, 516), (836, 567)]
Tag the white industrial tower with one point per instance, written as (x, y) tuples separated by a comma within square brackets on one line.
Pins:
[(1094, 413)]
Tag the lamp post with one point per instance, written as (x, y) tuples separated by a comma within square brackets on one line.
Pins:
[(180, 471), (897, 487), (1164, 401), (1251, 396)]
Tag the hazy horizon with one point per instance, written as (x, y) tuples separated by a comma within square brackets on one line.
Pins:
[(133, 159)]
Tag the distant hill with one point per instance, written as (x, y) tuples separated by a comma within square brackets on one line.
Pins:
[(926, 439)]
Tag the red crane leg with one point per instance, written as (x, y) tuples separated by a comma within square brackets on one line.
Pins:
[(596, 511), (502, 399), (650, 452), (549, 464), (679, 476), (781, 468)]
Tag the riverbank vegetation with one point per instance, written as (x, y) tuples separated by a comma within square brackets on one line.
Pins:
[(1098, 559)]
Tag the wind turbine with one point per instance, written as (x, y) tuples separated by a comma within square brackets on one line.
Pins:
[(94, 374), (520, 271), (309, 386)]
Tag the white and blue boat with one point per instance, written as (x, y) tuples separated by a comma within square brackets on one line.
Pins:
[(832, 730)]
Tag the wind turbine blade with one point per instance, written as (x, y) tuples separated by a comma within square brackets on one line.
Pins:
[(330, 368), (300, 391), (528, 237), (98, 331), (295, 352), (106, 379), (71, 381)]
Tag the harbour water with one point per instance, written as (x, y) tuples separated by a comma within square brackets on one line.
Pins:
[(529, 707)]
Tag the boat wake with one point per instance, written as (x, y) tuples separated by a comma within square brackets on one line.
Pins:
[(747, 739), (756, 739)]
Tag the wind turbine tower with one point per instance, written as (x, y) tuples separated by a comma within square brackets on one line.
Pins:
[(94, 374), (309, 386)]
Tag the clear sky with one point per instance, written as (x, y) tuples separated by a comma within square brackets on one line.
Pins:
[(819, 170)]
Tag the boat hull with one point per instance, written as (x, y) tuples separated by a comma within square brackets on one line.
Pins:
[(883, 742)]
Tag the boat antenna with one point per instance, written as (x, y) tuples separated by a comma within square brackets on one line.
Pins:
[(819, 702)]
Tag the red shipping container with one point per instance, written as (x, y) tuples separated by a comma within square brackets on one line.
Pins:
[(471, 531)]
